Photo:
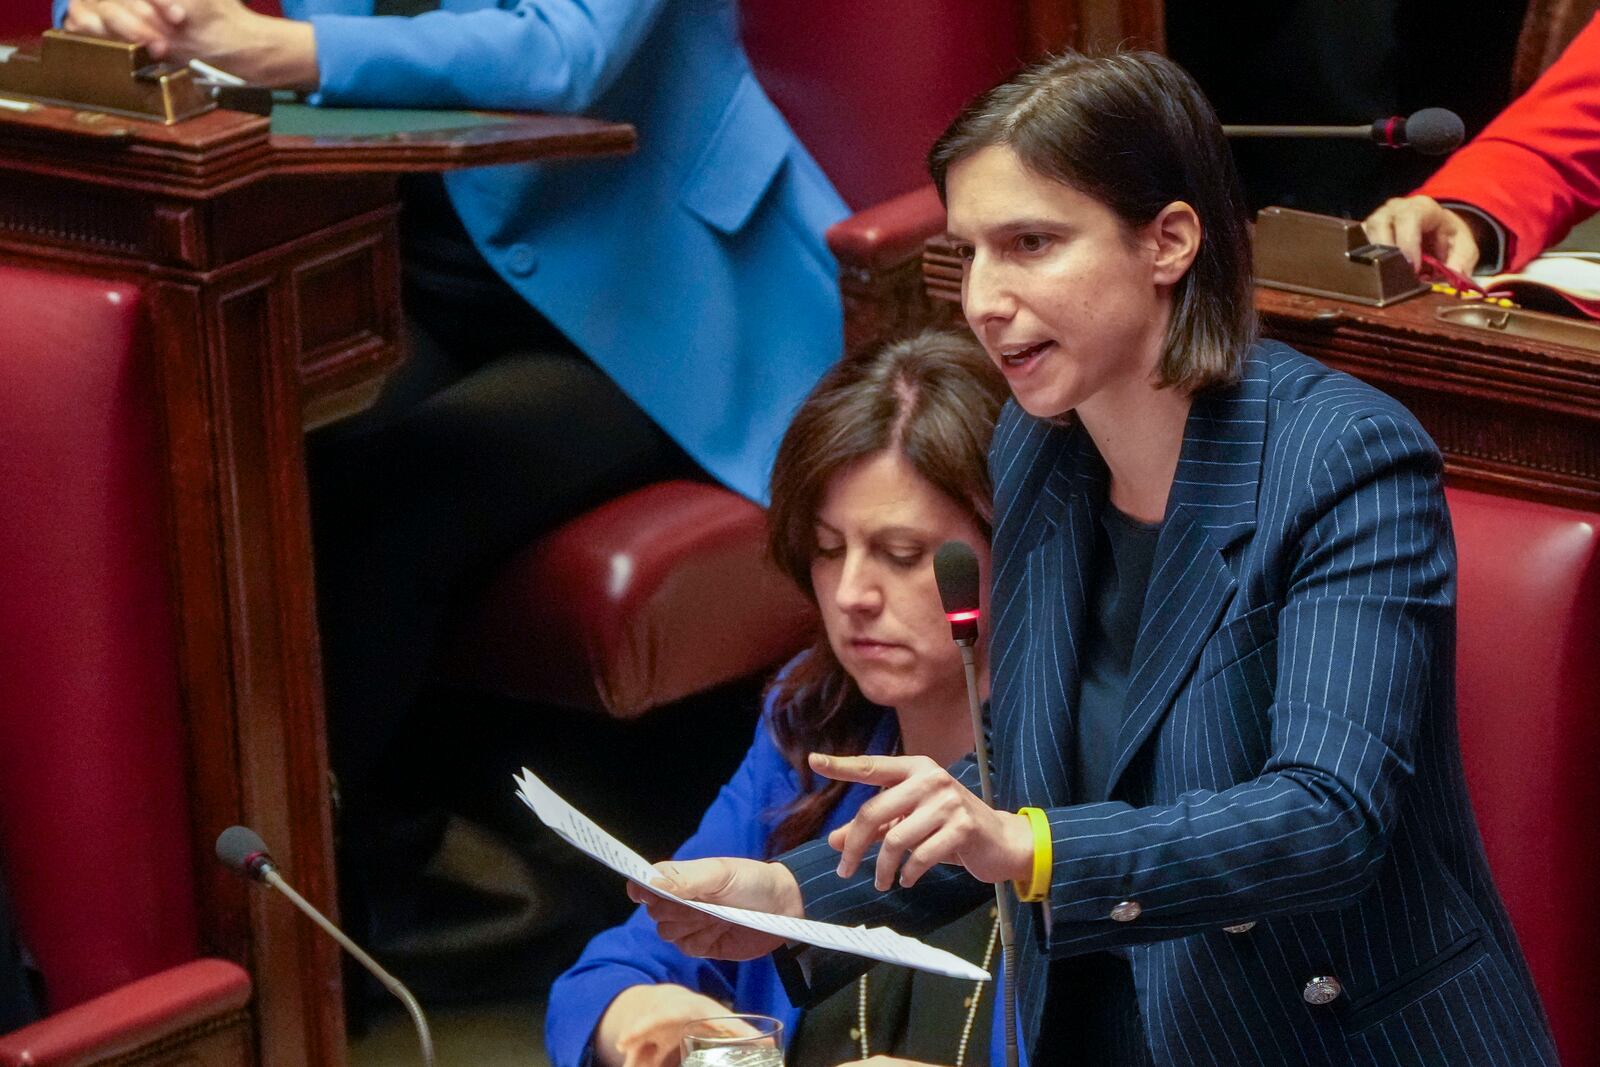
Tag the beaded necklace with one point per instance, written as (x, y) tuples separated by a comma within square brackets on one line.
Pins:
[(972, 1003)]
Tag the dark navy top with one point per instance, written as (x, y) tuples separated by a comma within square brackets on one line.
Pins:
[(1123, 557)]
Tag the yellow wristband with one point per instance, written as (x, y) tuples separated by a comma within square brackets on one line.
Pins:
[(1038, 887)]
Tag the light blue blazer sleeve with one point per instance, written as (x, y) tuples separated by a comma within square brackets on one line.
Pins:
[(544, 55), (539, 55)]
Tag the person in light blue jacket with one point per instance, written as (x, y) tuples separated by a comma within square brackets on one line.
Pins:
[(882, 465), (579, 327), (693, 272)]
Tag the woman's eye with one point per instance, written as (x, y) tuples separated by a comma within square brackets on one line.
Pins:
[(965, 253), (829, 551), (1033, 242), (906, 558)]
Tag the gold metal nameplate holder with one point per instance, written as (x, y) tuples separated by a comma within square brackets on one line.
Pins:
[(93, 74), (1325, 256)]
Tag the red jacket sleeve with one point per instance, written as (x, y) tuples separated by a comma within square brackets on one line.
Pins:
[(1536, 167)]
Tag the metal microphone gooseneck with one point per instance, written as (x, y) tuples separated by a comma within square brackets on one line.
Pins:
[(1433, 131), (242, 850), (955, 568)]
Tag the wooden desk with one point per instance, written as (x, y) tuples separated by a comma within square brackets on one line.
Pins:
[(271, 268), (1511, 416)]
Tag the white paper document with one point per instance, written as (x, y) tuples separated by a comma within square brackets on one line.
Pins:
[(874, 942)]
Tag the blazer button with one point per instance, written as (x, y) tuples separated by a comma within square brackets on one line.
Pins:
[(1242, 928), (1322, 990), (1126, 912), (522, 260)]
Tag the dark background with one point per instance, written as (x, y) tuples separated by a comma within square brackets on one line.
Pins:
[(1342, 62)]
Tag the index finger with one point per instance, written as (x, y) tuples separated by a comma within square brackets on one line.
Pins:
[(872, 770), (1379, 226), (126, 24)]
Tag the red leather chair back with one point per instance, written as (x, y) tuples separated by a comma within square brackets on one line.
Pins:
[(1529, 710), (868, 86), (94, 817), (23, 18)]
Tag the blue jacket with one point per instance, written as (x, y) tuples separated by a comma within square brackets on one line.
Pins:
[(738, 823), (1287, 803), (694, 271)]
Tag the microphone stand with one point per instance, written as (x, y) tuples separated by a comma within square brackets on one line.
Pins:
[(270, 875), (1002, 899), (1354, 133), (242, 851)]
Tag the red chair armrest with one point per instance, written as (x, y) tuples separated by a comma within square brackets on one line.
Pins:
[(653, 596), (889, 233), (131, 1017)]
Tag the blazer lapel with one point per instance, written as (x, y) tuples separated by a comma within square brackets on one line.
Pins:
[(1055, 581), (1212, 506)]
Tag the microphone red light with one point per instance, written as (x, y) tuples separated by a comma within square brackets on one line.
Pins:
[(962, 616)]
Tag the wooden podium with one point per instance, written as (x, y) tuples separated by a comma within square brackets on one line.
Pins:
[(269, 263), (1513, 415)]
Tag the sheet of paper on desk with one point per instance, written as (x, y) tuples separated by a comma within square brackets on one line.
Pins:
[(874, 942)]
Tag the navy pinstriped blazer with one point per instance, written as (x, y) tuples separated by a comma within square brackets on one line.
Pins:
[(1287, 801)]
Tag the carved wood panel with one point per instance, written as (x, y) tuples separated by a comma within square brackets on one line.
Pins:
[(1547, 29), (1095, 25)]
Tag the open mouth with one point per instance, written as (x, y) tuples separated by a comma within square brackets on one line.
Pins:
[(1019, 358)]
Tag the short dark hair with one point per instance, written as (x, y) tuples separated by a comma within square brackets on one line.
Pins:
[(1133, 131), (933, 399)]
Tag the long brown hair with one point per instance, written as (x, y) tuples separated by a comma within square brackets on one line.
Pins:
[(934, 398), (1133, 131)]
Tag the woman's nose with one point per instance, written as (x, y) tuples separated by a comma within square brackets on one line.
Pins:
[(858, 591), (985, 296)]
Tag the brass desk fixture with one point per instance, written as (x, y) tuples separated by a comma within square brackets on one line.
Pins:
[(1535, 326), (1324, 256), (94, 74)]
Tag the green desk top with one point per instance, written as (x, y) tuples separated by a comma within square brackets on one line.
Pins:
[(303, 120)]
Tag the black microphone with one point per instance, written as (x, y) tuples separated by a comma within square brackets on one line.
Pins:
[(960, 581), (1433, 131), (955, 569), (241, 849)]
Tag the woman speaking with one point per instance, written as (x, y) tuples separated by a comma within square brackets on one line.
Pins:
[(1222, 657)]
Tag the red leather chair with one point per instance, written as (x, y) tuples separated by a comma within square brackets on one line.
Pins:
[(1528, 704), (94, 813), (665, 592)]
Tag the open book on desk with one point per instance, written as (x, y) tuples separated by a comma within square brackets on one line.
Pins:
[(1555, 281), (874, 942)]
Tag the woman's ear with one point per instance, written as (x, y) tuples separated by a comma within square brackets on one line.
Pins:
[(1175, 233)]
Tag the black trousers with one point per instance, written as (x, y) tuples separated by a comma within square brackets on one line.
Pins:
[(494, 430)]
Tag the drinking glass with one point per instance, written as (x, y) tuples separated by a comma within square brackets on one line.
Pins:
[(733, 1041)]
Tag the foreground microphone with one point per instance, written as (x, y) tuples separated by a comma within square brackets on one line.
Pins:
[(242, 850), (955, 570), (1433, 131)]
